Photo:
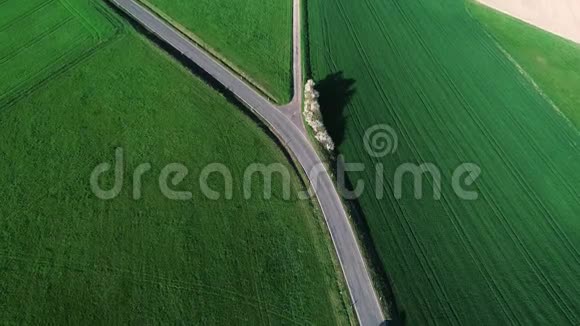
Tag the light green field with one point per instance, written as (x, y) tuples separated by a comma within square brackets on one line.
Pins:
[(67, 257), (52, 36), (253, 37), (433, 73), (550, 60)]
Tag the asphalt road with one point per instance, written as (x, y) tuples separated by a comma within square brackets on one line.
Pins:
[(293, 110), (293, 137)]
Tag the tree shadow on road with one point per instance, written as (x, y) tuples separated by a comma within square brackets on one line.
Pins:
[(336, 92)]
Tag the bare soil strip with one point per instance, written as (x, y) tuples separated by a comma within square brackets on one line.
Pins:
[(561, 17)]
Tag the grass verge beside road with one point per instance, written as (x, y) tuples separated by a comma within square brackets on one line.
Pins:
[(252, 37)]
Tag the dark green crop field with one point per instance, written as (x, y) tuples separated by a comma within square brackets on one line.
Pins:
[(550, 60), (435, 75), (253, 37), (67, 257)]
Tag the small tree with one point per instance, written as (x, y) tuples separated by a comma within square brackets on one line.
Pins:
[(313, 117)]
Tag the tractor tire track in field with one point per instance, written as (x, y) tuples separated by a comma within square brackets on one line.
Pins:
[(50, 72), (66, 60), (519, 177), (512, 167), (33, 41), (460, 229), (294, 139), (26, 14), (496, 211), (438, 288), (161, 281), (428, 268), (486, 273), (410, 235), (466, 244), (529, 192), (149, 278), (49, 65), (86, 23)]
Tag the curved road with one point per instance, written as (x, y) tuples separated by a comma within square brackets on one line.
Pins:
[(287, 124)]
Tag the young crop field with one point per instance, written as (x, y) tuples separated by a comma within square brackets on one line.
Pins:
[(550, 60), (432, 72), (253, 37), (68, 257), (42, 38)]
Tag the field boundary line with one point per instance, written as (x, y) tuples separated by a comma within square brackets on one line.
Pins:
[(517, 174), (26, 14), (520, 68), (47, 67), (15, 93), (35, 40), (529, 79), (84, 21)]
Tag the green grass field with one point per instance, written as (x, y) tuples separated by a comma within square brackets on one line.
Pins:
[(432, 72), (550, 60), (253, 37), (52, 36), (68, 257)]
